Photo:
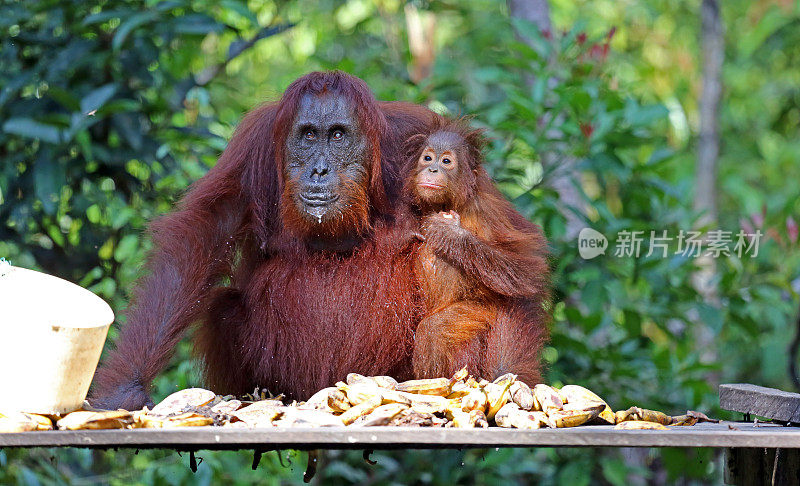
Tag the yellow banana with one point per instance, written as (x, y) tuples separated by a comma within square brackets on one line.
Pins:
[(594, 408), (381, 381), (654, 416), (512, 416), (337, 400), (230, 406), (9, 426), (577, 393), (382, 415), (522, 395), (361, 392), (471, 382), (607, 416), (461, 420), (639, 425), (496, 396), (478, 419), (178, 401), (360, 410), (460, 375), (571, 418), (548, 398), (297, 417), (505, 380), (258, 416), (430, 386), (318, 401), (643, 414), (188, 419), (579, 397), (474, 400), (96, 420), (684, 420), (459, 389), (23, 422), (426, 403), (392, 396), (385, 382), (503, 417)]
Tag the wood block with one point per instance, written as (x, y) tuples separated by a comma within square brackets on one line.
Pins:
[(758, 400)]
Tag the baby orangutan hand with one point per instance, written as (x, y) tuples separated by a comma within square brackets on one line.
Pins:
[(451, 216)]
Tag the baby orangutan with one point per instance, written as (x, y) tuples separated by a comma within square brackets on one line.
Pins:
[(482, 267)]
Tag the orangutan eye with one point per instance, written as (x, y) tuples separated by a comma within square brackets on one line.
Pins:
[(337, 135), (309, 135), (427, 158), (445, 161)]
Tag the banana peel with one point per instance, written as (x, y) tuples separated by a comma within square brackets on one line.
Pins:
[(430, 386), (639, 425), (82, 420)]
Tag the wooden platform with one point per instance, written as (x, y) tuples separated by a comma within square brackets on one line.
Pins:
[(725, 434)]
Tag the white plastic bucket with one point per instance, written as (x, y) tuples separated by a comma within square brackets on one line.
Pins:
[(51, 335)]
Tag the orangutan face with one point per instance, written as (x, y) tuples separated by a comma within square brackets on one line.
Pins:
[(327, 161)]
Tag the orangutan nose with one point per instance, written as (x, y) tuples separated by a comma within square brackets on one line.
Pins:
[(320, 170)]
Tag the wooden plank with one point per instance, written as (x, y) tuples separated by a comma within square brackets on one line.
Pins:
[(758, 400), (726, 434)]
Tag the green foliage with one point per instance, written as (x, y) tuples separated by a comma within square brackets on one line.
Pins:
[(95, 135), (103, 125)]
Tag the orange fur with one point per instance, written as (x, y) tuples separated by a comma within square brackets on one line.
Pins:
[(484, 281)]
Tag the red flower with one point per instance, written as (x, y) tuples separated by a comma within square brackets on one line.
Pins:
[(792, 229)]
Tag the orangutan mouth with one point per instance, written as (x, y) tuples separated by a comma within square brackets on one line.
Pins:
[(430, 185), (318, 200)]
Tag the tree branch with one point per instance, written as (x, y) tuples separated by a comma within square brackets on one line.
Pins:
[(236, 49)]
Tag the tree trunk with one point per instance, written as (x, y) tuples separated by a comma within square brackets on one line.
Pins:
[(705, 196), (713, 48), (562, 174), (421, 28)]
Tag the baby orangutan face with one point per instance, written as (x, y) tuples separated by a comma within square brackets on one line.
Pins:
[(443, 177)]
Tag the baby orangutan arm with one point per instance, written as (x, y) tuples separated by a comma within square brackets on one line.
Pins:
[(516, 268)]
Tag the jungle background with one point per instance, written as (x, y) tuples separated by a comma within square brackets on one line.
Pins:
[(638, 115)]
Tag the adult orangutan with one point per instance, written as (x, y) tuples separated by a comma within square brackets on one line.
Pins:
[(483, 269), (289, 253)]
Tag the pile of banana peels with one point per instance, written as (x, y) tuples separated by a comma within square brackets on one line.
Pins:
[(362, 401)]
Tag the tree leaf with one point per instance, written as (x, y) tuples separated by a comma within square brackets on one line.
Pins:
[(97, 98), (127, 124), (101, 17), (48, 177), (241, 9), (64, 97), (198, 24), (11, 87), (126, 248), (644, 115), (538, 90), (128, 25), (169, 5), (26, 127)]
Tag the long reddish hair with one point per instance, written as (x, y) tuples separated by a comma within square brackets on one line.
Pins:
[(268, 126)]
